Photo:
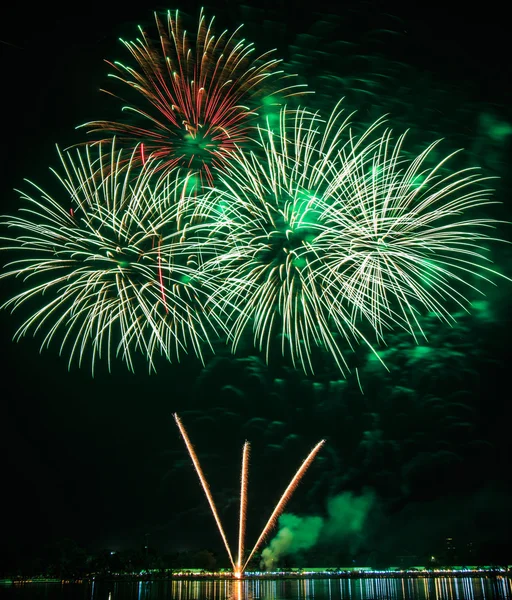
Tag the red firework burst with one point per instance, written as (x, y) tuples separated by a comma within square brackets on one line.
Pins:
[(195, 99)]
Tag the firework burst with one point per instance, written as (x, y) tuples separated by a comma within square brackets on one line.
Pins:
[(397, 241), (194, 99), (321, 232), (268, 218), (109, 265)]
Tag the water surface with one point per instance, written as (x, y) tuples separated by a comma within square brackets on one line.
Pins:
[(441, 588)]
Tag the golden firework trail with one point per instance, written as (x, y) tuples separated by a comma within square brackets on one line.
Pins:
[(243, 507), (204, 483), (292, 486), (240, 566)]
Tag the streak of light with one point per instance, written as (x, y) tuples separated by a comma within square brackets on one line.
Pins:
[(204, 483), (285, 498)]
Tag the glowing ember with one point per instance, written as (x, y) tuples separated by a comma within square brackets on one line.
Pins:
[(243, 508), (204, 483), (240, 567)]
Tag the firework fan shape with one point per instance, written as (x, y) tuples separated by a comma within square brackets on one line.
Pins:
[(194, 100), (110, 266), (321, 227), (396, 241), (267, 213)]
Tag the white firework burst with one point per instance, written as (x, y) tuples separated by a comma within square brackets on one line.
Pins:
[(320, 232), (111, 267)]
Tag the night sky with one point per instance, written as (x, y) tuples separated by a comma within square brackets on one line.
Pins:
[(424, 454)]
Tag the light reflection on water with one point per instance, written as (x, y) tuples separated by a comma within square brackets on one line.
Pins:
[(463, 588)]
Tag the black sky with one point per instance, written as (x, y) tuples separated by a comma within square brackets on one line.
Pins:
[(100, 460)]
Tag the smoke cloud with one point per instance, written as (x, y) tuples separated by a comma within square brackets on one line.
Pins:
[(295, 534), (346, 518), (347, 515)]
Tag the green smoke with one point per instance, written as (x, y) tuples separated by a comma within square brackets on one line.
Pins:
[(295, 534), (347, 514), (345, 522)]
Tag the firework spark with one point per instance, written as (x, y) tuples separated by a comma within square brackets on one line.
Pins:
[(292, 486), (396, 241), (321, 232), (204, 485), (110, 261), (244, 478), (240, 566), (318, 238), (194, 99), (268, 211)]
